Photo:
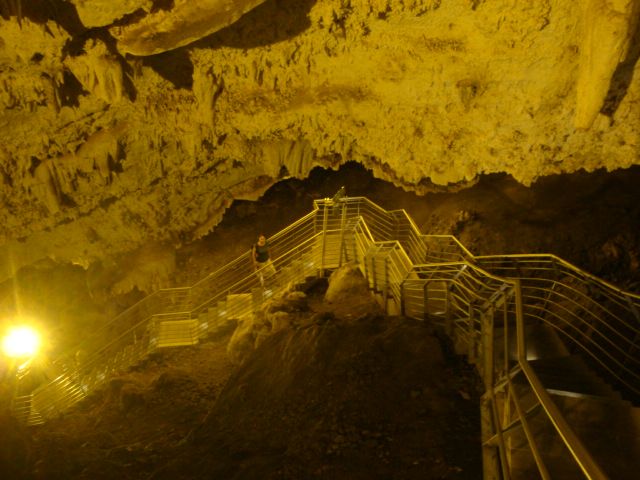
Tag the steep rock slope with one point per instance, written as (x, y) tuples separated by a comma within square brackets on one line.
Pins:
[(332, 393)]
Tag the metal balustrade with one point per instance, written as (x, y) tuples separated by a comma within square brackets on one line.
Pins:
[(596, 318), (486, 305)]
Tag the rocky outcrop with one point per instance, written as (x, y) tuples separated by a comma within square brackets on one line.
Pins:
[(184, 22), (98, 13), (99, 72), (609, 29), (108, 144)]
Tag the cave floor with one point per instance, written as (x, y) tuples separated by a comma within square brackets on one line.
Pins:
[(342, 392)]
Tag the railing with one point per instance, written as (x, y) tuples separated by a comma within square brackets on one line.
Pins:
[(169, 300), (161, 319), (466, 300), (477, 309), (478, 302), (596, 318), (238, 276)]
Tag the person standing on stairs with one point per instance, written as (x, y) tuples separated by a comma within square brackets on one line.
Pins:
[(262, 263), (337, 200)]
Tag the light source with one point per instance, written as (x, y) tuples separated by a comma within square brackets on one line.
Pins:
[(21, 342)]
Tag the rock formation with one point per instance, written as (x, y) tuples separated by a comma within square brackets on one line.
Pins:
[(133, 121), (181, 24), (608, 34)]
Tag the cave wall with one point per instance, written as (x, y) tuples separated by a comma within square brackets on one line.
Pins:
[(139, 121)]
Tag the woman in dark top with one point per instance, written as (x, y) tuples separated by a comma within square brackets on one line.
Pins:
[(261, 261)]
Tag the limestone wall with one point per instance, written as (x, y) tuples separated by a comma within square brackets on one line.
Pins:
[(142, 121)]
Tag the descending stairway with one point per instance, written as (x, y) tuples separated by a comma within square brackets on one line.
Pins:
[(557, 349), (570, 376), (606, 424)]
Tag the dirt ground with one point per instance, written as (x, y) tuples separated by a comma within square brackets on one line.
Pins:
[(342, 392)]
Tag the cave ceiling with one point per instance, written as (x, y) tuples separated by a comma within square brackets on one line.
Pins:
[(130, 122)]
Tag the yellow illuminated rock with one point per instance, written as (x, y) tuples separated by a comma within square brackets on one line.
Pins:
[(185, 22), (108, 143), (609, 27), (98, 71), (97, 13)]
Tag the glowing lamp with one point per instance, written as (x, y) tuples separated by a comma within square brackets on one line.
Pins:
[(21, 342)]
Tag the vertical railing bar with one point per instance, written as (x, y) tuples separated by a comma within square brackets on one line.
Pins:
[(324, 239), (471, 333), (542, 468)]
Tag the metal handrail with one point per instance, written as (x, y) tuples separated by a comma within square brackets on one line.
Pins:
[(482, 259), (582, 457), (123, 318), (251, 281), (600, 319), (474, 329), (466, 294), (376, 239), (129, 325)]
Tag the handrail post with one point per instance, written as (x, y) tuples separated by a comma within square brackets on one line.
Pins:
[(520, 340), (402, 297), (367, 273), (343, 221), (505, 324), (425, 299), (529, 434), (448, 320), (488, 348), (471, 332), (584, 460), (386, 283), (495, 465), (355, 241), (374, 273), (325, 219)]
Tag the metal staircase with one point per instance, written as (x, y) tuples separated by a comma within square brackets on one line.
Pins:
[(557, 348)]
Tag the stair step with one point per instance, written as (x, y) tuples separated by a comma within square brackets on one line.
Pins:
[(542, 341), (239, 305), (570, 375), (609, 430), (559, 464), (174, 333)]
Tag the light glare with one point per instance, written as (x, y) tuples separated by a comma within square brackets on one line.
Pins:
[(21, 342)]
